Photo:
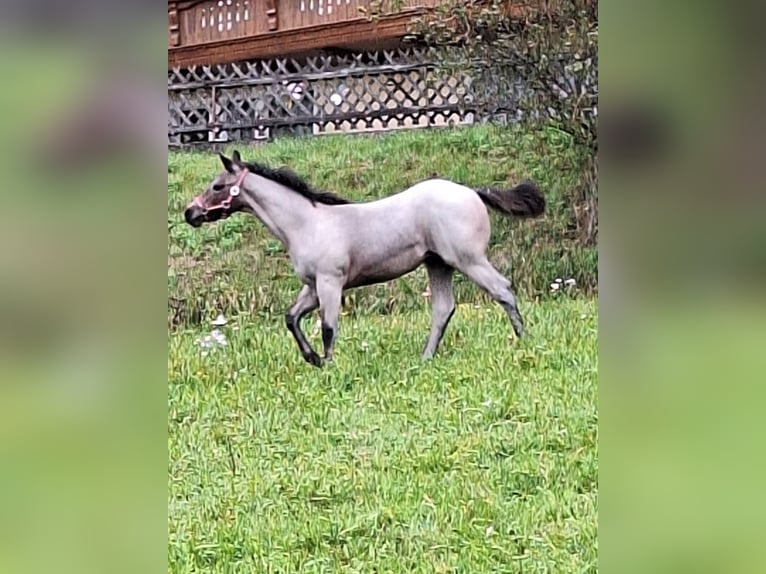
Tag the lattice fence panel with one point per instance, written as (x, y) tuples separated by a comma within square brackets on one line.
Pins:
[(339, 92)]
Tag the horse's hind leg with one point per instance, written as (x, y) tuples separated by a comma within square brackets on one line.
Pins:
[(498, 287), (306, 302), (442, 303)]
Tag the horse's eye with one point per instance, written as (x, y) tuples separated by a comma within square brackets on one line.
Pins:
[(218, 187)]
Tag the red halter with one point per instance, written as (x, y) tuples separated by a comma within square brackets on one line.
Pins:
[(234, 191)]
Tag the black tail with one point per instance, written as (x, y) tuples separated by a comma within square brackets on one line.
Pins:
[(524, 200)]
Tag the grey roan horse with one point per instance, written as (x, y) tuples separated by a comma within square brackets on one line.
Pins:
[(335, 245)]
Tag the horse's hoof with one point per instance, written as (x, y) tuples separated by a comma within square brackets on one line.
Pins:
[(314, 359)]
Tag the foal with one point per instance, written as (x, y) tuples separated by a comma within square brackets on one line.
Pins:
[(335, 245)]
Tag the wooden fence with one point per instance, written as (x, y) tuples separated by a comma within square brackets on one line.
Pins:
[(342, 92)]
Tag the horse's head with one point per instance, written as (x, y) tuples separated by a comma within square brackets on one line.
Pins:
[(222, 197)]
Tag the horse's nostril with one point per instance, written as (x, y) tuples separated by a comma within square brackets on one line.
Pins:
[(192, 215)]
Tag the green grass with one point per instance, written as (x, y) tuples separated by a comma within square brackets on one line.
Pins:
[(482, 460)]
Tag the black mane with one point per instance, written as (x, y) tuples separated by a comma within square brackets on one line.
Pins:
[(291, 180)]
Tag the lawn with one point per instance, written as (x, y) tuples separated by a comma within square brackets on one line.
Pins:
[(481, 460)]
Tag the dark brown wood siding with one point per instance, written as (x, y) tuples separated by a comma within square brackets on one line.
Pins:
[(218, 31)]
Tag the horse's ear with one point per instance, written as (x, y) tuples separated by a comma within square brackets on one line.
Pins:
[(236, 158), (227, 163)]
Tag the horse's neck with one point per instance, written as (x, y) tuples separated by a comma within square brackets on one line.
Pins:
[(281, 210)]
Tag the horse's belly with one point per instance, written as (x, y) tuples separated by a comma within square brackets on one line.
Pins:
[(369, 272)]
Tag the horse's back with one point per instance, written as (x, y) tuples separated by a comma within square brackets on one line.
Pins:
[(441, 190), (444, 199)]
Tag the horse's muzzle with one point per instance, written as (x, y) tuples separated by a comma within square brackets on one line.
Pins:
[(194, 215)]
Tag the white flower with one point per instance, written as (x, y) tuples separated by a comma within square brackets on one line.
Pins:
[(570, 282), (489, 531), (555, 286), (220, 321), (559, 280), (218, 337), (211, 340)]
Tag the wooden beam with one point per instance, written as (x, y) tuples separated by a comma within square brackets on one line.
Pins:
[(271, 14), (186, 4), (288, 42)]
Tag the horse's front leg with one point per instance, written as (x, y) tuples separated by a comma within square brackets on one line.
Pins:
[(330, 292), (306, 302)]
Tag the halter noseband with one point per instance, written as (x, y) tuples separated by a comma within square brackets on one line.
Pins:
[(234, 191)]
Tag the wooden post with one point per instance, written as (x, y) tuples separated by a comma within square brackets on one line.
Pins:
[(272, 14), (174, 36)]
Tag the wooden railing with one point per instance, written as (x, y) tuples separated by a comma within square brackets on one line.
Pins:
[(214, 31)]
